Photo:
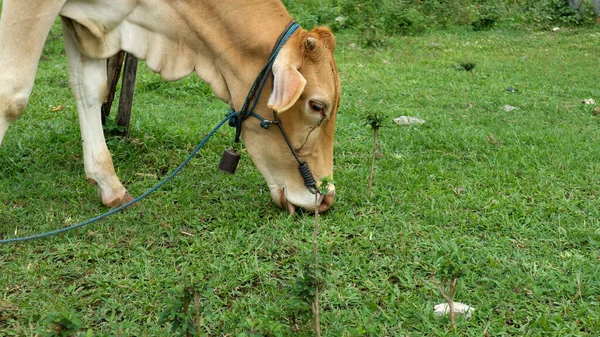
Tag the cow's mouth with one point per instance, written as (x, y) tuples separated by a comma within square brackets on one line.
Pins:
[(324, 202), (305, 201)]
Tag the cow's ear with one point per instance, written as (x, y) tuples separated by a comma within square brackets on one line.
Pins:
[(325, 36), (288, 84)]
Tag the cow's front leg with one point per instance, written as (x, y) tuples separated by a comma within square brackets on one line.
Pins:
[(88, 81)]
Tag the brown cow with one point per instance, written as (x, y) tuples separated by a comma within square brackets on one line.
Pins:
[(226, 42)]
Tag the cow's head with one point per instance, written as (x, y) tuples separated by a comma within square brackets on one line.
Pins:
[(306, 95)]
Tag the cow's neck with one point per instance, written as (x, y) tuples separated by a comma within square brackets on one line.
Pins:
[(240, 36)]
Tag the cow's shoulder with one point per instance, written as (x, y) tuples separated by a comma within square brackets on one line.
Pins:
[(151, 30)]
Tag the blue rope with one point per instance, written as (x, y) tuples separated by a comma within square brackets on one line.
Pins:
[(120, 208)]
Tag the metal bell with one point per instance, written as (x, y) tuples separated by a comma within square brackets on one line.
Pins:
[(229, 161)]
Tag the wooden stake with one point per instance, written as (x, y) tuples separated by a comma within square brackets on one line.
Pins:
[(113, 65), (449, 297), (127, 90), (315, 305)]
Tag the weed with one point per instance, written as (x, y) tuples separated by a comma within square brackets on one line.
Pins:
[(303, 303), (466, 66), (184, 309), (322, 190), (112, 128), (375, 120), (62, 324), (451, 266)]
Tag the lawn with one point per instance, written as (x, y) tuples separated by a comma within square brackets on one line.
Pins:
[(510, 196)]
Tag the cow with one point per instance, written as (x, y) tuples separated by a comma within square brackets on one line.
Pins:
[(226, 42)]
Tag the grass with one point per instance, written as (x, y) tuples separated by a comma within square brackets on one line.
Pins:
[(516, 193)]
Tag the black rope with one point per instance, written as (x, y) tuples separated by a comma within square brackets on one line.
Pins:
[(307, 176), (259, 83)]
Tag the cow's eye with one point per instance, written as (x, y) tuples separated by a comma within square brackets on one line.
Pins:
[(317, 107)]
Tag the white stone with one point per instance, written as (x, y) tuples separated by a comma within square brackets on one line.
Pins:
[(459, 308), (509, 108), (588, 101), (408, 120)]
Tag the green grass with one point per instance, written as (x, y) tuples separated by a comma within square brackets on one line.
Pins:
[(516, 192)]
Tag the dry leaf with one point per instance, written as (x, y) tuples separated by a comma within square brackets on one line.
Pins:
[(492, 139)]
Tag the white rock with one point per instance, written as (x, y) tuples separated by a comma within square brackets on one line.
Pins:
[(459, 308), (509, 108), (555, 29), (588, 101), (407, 120)]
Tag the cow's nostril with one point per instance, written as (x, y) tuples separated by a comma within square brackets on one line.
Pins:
[(327, 201)]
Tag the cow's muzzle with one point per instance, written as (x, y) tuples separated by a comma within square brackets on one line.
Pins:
[(306, 201)]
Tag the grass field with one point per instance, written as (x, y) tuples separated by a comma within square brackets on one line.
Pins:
[(513, 196)]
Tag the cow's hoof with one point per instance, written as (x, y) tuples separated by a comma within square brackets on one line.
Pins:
[(118, 202)]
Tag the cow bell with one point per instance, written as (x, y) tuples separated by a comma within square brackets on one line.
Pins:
[(229, 161)]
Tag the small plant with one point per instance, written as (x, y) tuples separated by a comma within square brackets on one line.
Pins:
[(466, 66), (305, 292), (111, 128), (485, 22), (375, 120), (366, 328), (323, 190), (63, 324), (183, 312), (305, 289), (451, 267), (486, 18)]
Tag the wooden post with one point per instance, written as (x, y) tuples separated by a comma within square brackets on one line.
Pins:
[(114, 65), (127, 90)]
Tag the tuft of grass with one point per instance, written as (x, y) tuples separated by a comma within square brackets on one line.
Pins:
[(466, 66), (62, 324)]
